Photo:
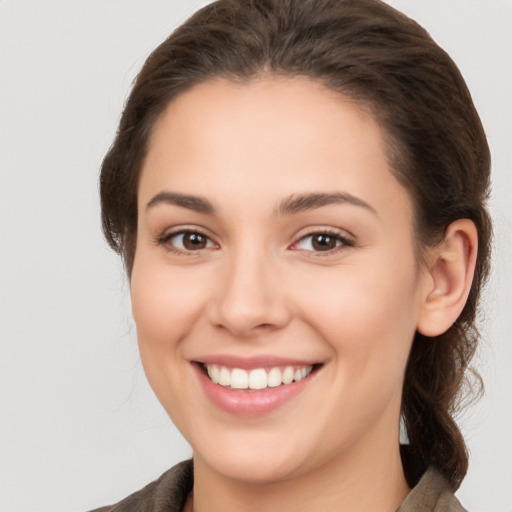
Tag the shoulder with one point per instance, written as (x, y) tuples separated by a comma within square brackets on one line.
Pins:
[(431, 494), (167, 494)]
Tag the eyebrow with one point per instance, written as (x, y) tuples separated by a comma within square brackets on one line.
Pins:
[(195, 203), (302, 202), (294, 204)]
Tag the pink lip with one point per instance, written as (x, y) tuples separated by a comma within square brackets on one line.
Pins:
[(249, 363), (247, 402)]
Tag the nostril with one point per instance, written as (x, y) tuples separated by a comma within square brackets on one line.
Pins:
[(263, 326)]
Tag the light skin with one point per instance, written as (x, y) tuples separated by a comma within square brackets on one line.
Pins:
[(304, 247)]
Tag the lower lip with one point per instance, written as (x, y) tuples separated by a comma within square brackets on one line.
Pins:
[(247, 402)]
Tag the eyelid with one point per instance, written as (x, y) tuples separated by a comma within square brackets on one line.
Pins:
[(167, 235), (346, 240)]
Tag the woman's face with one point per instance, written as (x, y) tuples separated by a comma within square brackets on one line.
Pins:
[(274, 244)]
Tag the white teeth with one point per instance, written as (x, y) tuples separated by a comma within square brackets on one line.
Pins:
[(274, 378), (259, 378), (213, 373), (239, 379), (288, 375), (224, 376)]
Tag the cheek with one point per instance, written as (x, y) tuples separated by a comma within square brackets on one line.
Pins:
[(166, 303), (368, 314)]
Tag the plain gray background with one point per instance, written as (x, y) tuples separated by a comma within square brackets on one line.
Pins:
[(80, 427)]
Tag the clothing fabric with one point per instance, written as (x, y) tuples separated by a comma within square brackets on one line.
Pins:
[(169, 493), (431, 494)]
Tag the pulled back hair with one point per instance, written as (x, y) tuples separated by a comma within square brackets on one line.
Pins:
[(436, 147)]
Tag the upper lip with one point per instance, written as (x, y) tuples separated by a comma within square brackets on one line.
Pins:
[(249, 363)]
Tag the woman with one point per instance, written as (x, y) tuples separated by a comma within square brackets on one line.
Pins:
[(297, 189)]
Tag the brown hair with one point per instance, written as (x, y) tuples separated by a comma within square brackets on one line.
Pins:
[(437, 149)]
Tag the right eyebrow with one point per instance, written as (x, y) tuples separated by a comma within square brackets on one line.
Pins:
[(195, 203), (301, 202)]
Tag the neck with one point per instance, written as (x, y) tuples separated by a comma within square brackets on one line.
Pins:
[(357, 483)]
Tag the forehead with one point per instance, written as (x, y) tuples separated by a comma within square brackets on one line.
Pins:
[(273, 102), (267, 138)]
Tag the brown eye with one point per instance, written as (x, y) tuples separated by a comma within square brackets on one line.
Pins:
[(194, 241), (324, 242), (186, 241)]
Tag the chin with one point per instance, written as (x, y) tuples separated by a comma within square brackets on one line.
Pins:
[(253, 462), (257, 469)]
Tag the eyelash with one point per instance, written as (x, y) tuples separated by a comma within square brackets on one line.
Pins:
[(165, 241), (344, 242)]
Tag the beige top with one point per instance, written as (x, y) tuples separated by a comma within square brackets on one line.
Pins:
[(169, 493), (431, 494)]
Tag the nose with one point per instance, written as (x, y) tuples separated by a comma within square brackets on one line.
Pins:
[(250, 297)]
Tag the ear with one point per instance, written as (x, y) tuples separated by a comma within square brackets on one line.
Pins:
[(449, 273)]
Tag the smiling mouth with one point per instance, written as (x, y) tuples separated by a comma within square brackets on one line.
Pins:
[(257, 378)]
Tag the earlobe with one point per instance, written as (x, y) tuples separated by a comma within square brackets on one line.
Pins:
[(451, 266)]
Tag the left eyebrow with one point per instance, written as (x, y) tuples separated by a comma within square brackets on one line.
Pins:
[(195, 203), (302, 202)]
